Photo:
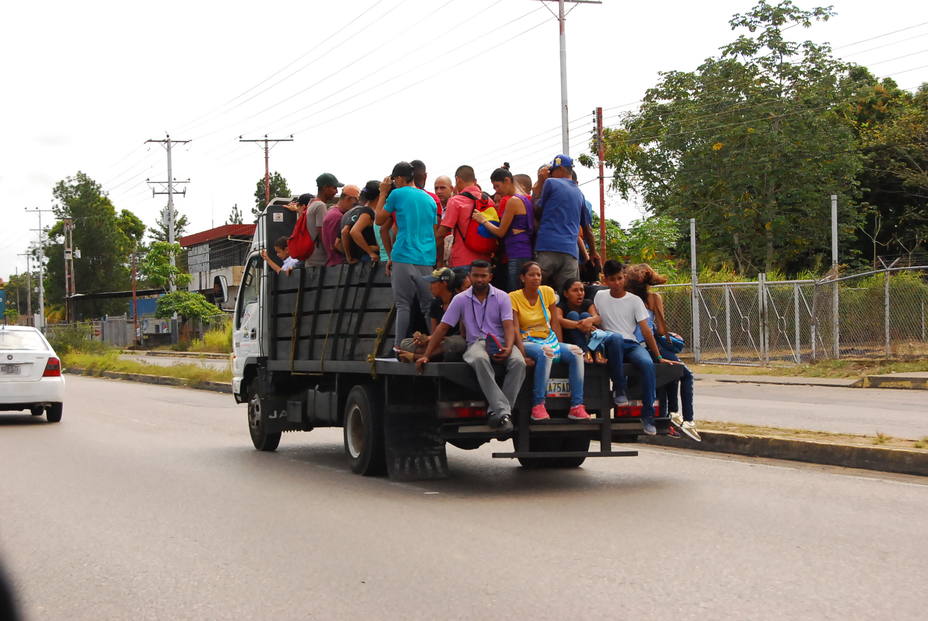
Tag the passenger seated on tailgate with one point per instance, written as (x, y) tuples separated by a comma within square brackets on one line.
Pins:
[(486, 315), (444, 284), (619, 313)]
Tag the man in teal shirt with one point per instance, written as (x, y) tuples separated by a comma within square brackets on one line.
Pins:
[(413, 254)]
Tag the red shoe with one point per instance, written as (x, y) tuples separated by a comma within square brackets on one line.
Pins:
[(578, 412), (539, 412)]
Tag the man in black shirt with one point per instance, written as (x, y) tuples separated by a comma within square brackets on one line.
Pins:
[(357, 230), (444, 284)]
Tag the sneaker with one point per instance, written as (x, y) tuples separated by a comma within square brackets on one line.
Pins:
[(494, 420), (578, 412), (676, 419), (619, 398), (648, 428), (539, 412), (689, 428), (505, 427), (673, 433)]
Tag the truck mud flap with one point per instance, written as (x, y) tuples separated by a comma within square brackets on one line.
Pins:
[(415, 450)]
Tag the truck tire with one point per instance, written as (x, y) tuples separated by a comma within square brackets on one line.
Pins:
[(260, 437), (53, 412), (555, 444), (37, 410), (363, 432)]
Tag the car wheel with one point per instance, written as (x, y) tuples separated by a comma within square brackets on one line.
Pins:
[(260, 437), (37, 410), (53, 412)]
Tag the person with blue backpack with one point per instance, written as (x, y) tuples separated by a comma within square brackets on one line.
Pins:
[(638, 279)]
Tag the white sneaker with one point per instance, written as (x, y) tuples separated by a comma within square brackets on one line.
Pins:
[(689, 428), (676, 419)]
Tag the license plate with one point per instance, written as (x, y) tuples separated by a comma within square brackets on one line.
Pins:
[(558, 388), (9, 369)]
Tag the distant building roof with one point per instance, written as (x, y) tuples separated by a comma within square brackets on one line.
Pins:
[(220, 232)]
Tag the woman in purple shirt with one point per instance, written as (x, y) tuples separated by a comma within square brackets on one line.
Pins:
[(516, 227)]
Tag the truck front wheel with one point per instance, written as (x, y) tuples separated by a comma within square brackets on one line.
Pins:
[(363, 431), (260, 437)]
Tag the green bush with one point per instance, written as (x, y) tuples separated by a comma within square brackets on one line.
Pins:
[(216, 340), (75, 337)]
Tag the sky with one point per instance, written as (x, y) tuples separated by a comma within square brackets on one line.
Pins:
[(360, 84)]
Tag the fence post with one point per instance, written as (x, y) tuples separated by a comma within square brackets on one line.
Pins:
[(835, 319), (886, 313), (727, 290), (762, 312), (694, 278), (923, 320), (798, 335)]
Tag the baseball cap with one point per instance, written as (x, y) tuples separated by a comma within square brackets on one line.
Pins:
[(561, 160), (327, 179), (305, 199), (352, 191), (442, 274), (371, 190), (402, 169)]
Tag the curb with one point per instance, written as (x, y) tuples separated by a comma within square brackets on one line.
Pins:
[(903, 382), (903, 461), (176, 354), (160, 380), (783, 381)]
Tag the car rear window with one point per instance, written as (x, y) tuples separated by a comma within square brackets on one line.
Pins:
[(21, 339)]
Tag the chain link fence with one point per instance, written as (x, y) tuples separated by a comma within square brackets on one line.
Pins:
[(874, 314)]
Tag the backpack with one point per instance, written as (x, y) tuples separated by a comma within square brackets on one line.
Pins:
[(300, 244), (477, 238)]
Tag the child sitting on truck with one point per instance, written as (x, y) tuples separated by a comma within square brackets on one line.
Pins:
[(280, 249)]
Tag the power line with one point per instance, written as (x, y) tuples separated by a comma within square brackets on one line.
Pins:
[(168, 144), (880, 36), (267, 151)]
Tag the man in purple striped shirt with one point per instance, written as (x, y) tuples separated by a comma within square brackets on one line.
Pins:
[(485, 313)]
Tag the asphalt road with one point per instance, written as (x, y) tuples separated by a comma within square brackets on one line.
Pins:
[(147, 502), (894, 412)]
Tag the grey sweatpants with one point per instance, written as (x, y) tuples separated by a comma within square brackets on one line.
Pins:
[(556, 268), (409, 287), (498, 401)]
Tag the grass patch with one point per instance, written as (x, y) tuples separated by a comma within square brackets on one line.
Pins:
[(815, 436), (825, 368), (96, 364), (215, 340)]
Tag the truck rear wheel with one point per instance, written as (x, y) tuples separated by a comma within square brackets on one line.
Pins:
[(257, 422), (363, 432)]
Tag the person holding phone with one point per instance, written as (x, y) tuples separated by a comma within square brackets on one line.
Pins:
[(486, 315), (539, 338)]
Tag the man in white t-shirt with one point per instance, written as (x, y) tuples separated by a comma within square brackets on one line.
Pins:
[(620, 312)]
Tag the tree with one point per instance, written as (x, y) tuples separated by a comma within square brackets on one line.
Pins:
[(156, 266), (104, 239), (186, 304), (235, 216), (751, 144), (278, 188), (647, 240), (159, 232)]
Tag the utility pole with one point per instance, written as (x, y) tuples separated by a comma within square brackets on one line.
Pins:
[(28, 256), (600, 147), (267, 154), (41, 261), (135, 302), (168, 143), (562, 21), (70, 288)]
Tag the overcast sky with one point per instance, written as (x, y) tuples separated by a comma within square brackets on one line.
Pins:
[(360, 83)]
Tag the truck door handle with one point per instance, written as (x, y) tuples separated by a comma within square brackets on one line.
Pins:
[(254, 333)]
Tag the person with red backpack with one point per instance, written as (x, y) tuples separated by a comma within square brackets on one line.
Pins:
[(472, 240), (305, 242), (516, 227)]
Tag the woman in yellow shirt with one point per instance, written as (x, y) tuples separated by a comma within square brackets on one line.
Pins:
[(539, 339)]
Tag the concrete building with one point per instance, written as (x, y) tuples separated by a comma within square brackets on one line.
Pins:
[(215, 255)]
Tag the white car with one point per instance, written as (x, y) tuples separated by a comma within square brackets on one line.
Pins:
[(30, 373)]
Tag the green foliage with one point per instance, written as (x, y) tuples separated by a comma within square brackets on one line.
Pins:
[(157, 269), (278, 186), (217, 340), (751, 144), (160, 232), (75, 337), (235, 216), (103, 238), (96, 364), (187, 304), (647, 240)]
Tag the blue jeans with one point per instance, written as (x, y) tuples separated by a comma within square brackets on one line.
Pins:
[(576, 337), (618, 350), (686, 386), (570, 355), (513, 269)]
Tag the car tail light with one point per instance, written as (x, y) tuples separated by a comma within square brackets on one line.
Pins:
[(462, 409), (52, 368)]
